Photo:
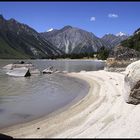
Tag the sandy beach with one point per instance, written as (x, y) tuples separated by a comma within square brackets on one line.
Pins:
[(101, 113)]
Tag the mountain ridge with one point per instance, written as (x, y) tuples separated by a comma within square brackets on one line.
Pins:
[(74, 40), (21, 41), (114, 40)]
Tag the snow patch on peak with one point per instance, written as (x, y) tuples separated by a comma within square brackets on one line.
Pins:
[(120, 34), (50, 30)]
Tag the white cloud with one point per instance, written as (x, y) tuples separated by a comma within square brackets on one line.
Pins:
[(113, 16), (50, 29), (92, 19)]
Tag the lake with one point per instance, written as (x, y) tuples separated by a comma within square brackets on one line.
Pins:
[(26, 98)]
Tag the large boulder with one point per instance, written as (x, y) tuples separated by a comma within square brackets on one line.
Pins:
[(132, 83)]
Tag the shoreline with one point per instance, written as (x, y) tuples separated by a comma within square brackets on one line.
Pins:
[(102, 113), (90, 59), (11, 129)]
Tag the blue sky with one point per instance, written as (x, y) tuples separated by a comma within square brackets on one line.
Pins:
[(97, 17)]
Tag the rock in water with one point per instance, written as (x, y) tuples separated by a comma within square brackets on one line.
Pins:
[(132, 83), (19, 72)]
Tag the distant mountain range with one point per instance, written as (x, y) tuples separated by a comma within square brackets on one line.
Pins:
[(114, 40), (18, 40), (128, 48), (74, 40)]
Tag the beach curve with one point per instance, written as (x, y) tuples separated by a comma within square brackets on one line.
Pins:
[(101, 113)]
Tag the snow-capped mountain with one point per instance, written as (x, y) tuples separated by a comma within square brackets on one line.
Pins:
[(121, 34), (114, 40), (50, 30)]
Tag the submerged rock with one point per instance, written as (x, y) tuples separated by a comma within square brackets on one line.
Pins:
[(48, 70), (21, 65), (132, 83), (8, 67)]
